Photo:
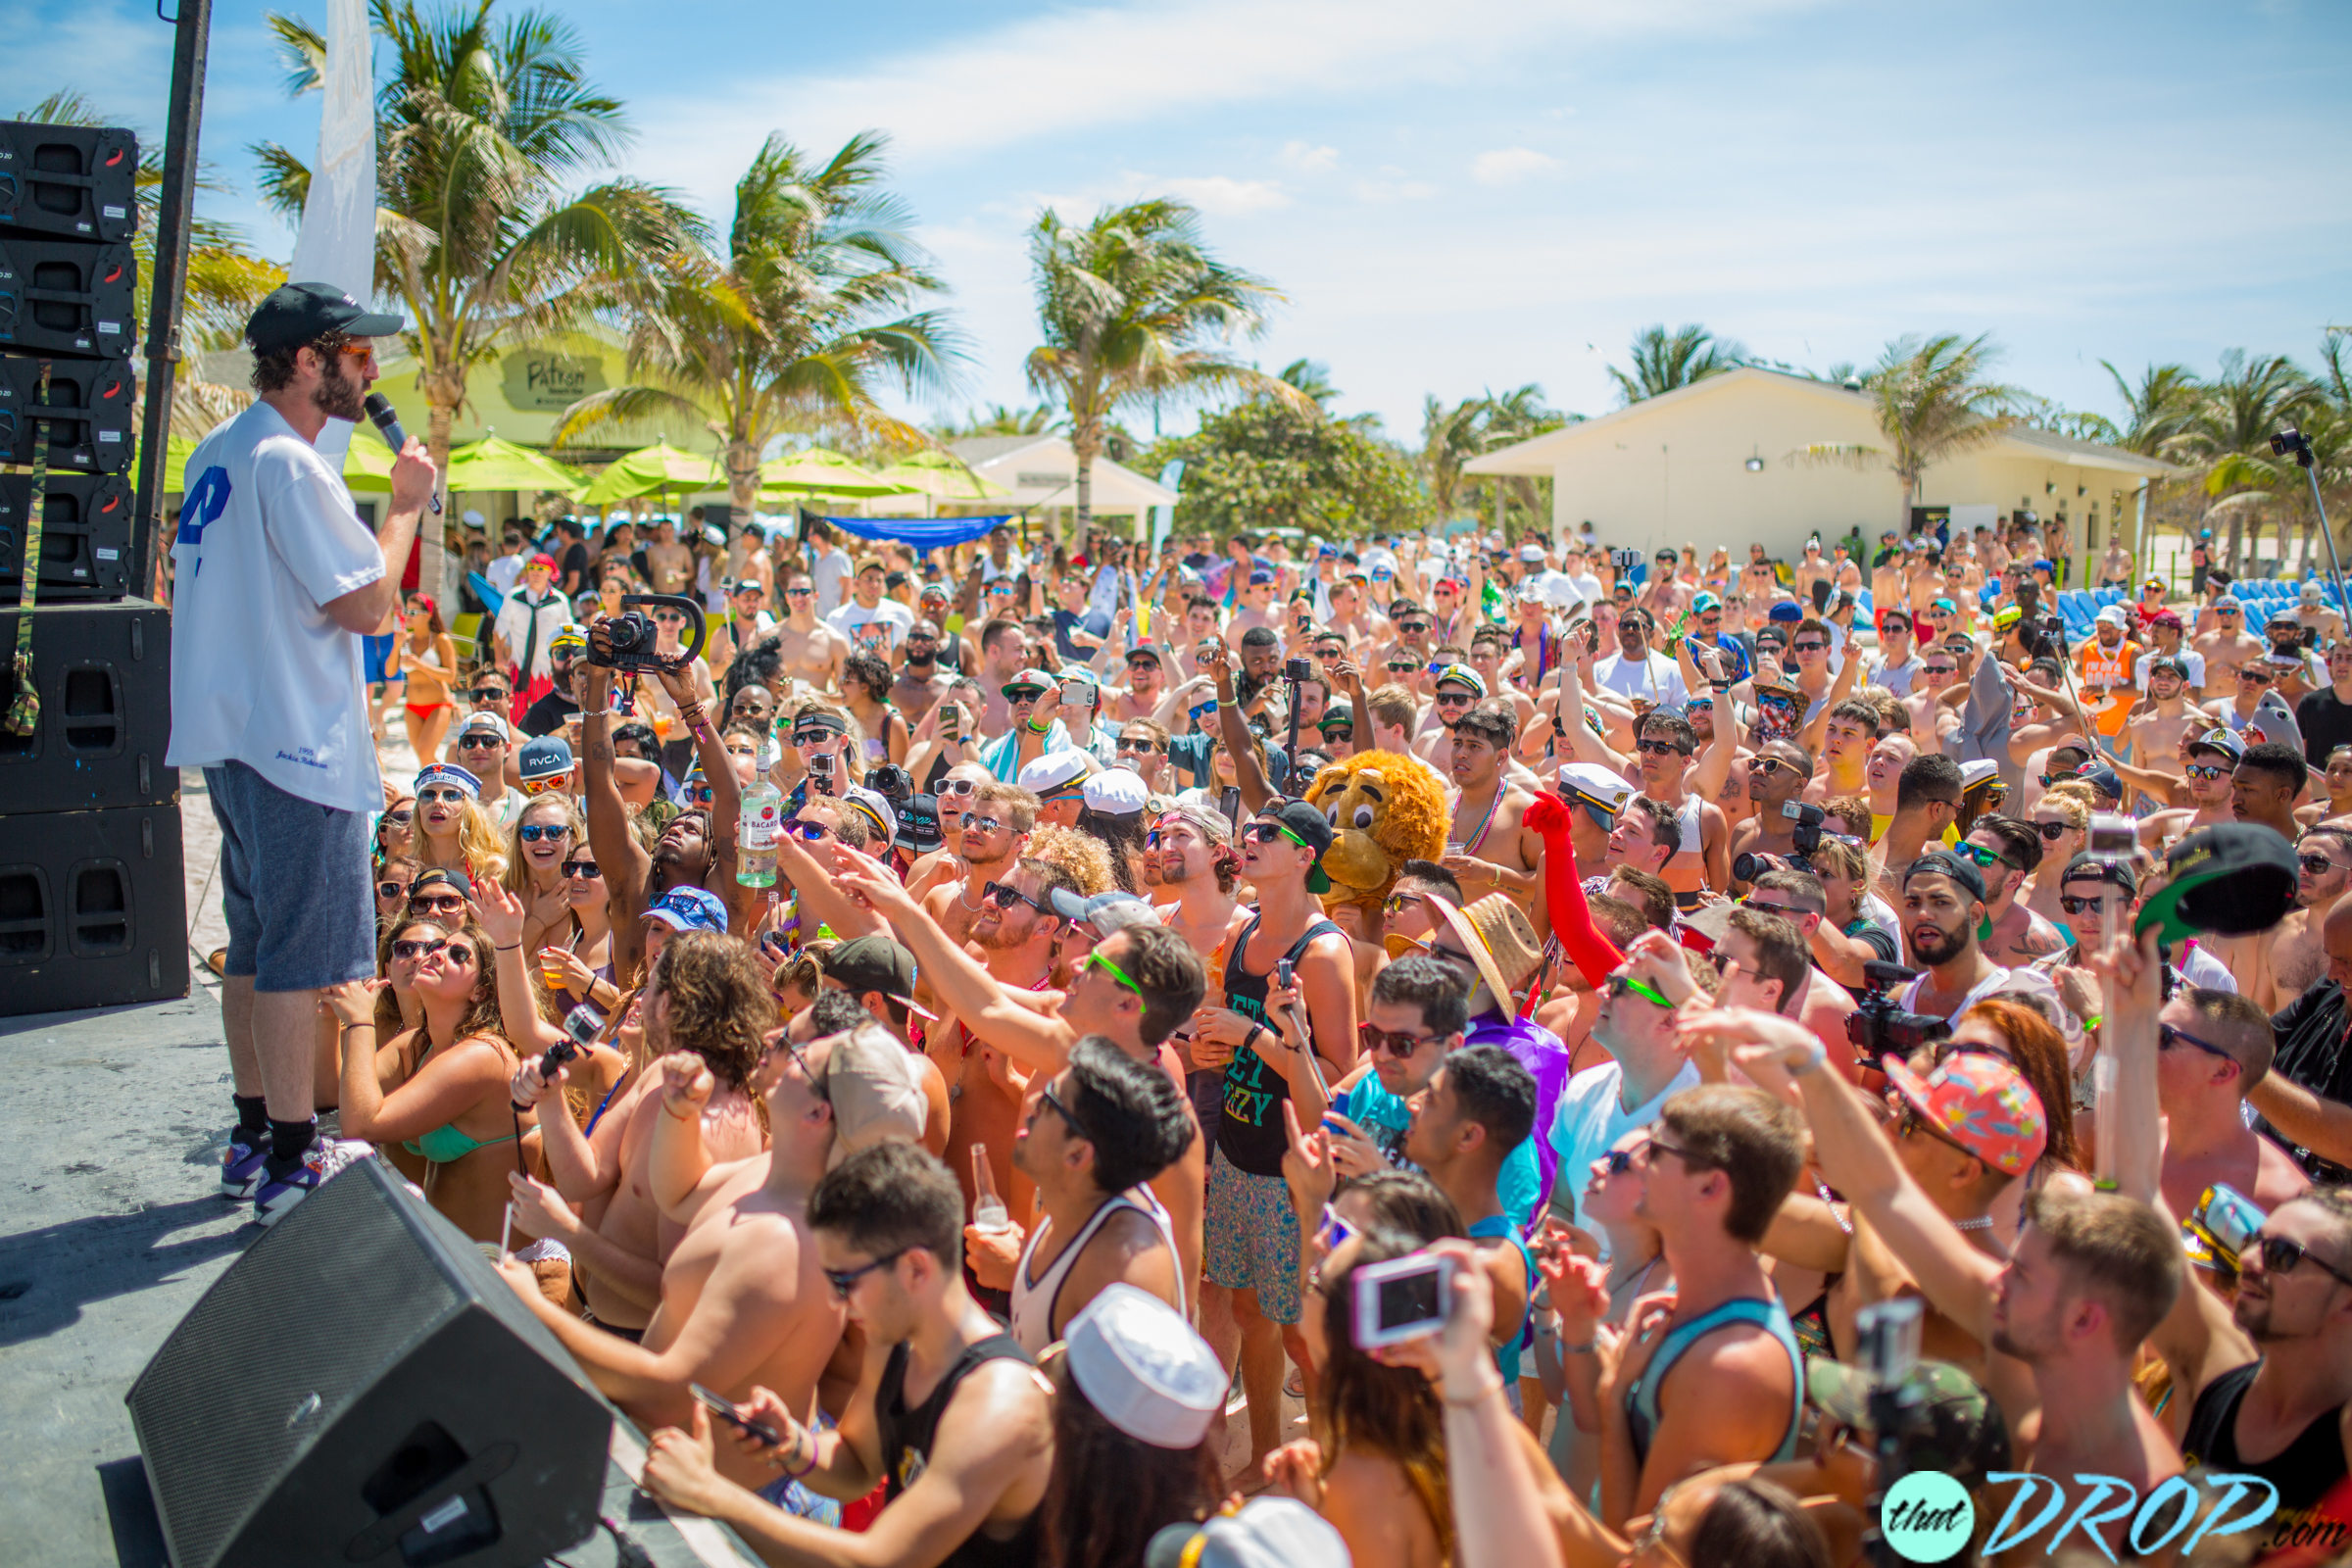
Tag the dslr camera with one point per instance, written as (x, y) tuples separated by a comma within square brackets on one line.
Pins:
[(1877, 1027), (629, 639), (1805, 839)]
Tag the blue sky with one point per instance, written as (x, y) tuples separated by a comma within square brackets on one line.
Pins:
[(1489, 192)]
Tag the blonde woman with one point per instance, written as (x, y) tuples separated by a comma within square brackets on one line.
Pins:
[(2062, 816), (547, 834), (452, 831)]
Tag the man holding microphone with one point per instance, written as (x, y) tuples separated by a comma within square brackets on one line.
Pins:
[(275, 581)]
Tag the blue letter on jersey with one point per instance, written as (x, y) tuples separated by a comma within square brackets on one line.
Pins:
[(205, 500)]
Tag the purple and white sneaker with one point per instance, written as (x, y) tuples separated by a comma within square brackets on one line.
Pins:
[(326, 1156), (241, 1166)]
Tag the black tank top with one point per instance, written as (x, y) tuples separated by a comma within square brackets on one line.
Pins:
[(1250, 1133), (2305, 1471), (907, 1435)]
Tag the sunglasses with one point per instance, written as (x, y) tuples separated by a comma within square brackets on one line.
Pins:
[(2260, 677), (800, 593), (1413, 628), (544, 786), (807, 832), (2168, 1037), (1047, 1097), (1941, 670), (2079, 903), (478, 742), (1808, 648), (442, 797), (1660, 749), (1454, 699), (1620, 984), (972, 821), (2051, 832), (1403, 665), (2280, 1256), (1397, 1043), (845, 1280), (533, 832), (1616, 1161), (957, 786), (1005, 896), (580, 868), (1144, 744), (702, 794), (813, 737), (401, 818), (1096, 960), (438, 902), (2199, 770), (488, 694), (1768, 766), (1986, 858), (388, 891), (417, 947), (1268, 832), (2316, 865)]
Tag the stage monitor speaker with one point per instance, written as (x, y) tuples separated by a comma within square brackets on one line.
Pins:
[(74, 180), (103, 677), (85, 535), (362, 1388), (93, 909), (57, 296), (92, 410)]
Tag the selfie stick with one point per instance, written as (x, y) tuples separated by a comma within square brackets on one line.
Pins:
[(2292, 441)]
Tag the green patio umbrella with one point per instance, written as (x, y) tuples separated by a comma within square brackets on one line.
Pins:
[(366, 467), (942, 476), (491, 464), (821, 471), (652, 469)]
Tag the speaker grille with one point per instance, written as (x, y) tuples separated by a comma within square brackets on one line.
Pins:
[(327, 1341)]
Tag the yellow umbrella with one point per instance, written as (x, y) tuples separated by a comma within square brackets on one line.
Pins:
[(820, 471), (367, 467), (648, 469), (943, 476)]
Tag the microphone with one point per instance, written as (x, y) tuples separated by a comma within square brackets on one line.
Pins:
[(388, 425)]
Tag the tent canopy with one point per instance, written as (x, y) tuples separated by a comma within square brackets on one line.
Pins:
[(650, 469), (943, 476), (1042, 472), (491, 464), (820, 471), (923, 533), (366, 467)]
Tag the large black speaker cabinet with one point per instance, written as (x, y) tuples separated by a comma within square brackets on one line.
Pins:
[(74, 180), (85, 535), (93, 909), (103, 677), (91, 408), (59, 297), (362, 1388)]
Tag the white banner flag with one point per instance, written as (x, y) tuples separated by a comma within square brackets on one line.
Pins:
[(337, 242)]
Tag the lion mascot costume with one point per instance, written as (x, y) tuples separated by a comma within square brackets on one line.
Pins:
[(1386, 809)]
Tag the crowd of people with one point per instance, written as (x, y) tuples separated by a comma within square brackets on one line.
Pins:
[(979, 1022)]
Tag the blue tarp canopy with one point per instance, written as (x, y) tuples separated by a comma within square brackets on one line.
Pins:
[(923, 533)]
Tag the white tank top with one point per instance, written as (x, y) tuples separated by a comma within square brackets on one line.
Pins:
[(1032, 1303)]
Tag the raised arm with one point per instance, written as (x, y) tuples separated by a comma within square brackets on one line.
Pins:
[(1809, 735), (500, 914), (2322, 1125), (1249, 768), (622, 860)]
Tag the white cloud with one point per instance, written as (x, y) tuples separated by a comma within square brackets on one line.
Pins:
[(1224, 196), (1308, 159), (1508, 166), (1388, 189)]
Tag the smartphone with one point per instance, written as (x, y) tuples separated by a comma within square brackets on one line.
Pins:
[(1076, 693), (1231, 805), (1281, 974), (950, 725), (725, 1410), (1403, 1299)]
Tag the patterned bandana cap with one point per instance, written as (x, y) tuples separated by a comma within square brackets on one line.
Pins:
[(1981, 1103), (1463, 674), (451, 774)]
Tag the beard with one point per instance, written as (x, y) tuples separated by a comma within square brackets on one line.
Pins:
[(1934, 944), (338, 396)]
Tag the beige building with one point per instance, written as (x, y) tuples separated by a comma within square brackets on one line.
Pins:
[(1722, 463)]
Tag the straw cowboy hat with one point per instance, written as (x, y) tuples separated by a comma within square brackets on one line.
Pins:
[(1499, 937)]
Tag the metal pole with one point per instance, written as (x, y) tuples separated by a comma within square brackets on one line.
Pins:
[(2336, 567), (168, 285)]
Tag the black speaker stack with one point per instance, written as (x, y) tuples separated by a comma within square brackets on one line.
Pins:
[(93, 908), (362, 1387)]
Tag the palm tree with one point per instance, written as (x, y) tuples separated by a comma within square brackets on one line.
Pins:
[(2227, 437), (791, 327), (1312, 378), (480, 128), (999, 418), (225, 279), (1128, 305), (1451, 437), (1664, 362), (1932, 403)]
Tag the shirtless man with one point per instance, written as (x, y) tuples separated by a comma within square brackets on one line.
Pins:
[(2311, 611), (920, 682), (1254, 607), (668, 562), (1702, 857), (2164, 717), (1001, 652), (2324, 871), (1776, 778), (2006, 851), (1190, 855), (990, 833), (2227, 646), (2207, 763), (619, 1240), (1883, 775), (1486, 848), (808, 650), (1849, 731), (1017, 936), (747, 561)]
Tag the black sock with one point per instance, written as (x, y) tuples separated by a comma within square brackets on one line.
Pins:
[(253, 1117), (289, 1141)]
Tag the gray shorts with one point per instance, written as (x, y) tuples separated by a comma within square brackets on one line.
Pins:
[(294, 885)]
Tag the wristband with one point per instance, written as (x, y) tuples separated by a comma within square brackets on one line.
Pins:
[(365, 1023), (800, 1436), (1812, 1063), (1490, 1389), (516, 948), (1585, 1349), (1034, 727)]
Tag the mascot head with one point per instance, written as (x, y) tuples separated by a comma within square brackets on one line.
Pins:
[(1384, 809)]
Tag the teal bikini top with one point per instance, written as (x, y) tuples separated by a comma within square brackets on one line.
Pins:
[(446, 1146)]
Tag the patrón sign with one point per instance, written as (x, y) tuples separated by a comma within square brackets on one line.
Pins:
[(540, 381)]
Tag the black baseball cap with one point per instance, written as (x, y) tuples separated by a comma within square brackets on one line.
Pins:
[(2227, 880), (1312, 830), (296, 313), (870, 964), (1943, 862)]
